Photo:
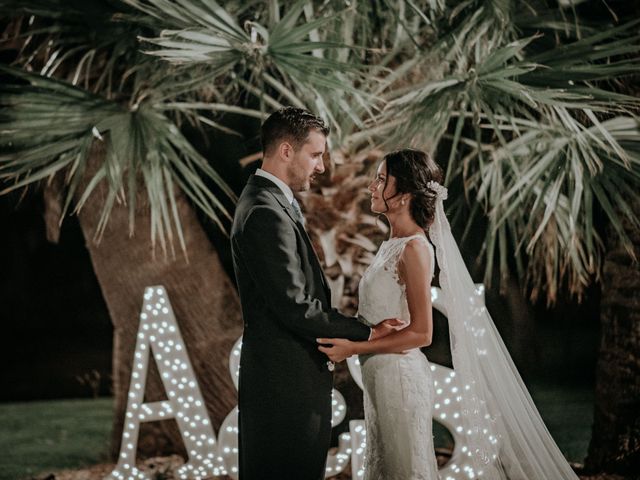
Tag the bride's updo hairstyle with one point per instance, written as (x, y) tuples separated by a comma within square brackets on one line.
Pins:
[(413, 169)]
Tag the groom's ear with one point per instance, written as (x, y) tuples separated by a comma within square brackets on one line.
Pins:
[(286, 151)]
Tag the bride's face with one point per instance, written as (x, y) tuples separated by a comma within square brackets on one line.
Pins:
[(383, 187)]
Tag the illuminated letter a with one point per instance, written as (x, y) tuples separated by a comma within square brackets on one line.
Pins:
[(158, 334)]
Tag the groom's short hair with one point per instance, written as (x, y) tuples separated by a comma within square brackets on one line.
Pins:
[(290, 124)]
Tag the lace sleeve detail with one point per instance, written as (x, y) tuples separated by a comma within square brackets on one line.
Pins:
[(392, 260), (395, 253)]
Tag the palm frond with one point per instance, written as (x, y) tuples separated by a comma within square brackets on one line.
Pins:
[(545, 198), (283, 53), (69, 39), (48, 128)]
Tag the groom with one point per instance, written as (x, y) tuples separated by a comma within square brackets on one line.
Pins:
[(285, 382)]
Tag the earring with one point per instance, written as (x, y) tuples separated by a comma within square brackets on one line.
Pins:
[(402, 202)]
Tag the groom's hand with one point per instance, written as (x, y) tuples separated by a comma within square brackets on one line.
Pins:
[(386, 327), (337, 349)]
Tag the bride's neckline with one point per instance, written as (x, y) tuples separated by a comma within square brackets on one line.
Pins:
[(418, 234)]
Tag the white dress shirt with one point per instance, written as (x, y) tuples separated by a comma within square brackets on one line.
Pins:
[(286, 189)]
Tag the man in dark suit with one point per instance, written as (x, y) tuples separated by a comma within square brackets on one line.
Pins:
[(285, 382)]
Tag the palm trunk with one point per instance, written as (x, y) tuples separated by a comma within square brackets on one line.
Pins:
[(204, 301), (615, 443)]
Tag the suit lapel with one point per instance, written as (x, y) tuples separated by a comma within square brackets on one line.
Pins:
[(284, 203), (325, 283)]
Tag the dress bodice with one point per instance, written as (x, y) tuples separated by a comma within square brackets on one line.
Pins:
[(381, 292)]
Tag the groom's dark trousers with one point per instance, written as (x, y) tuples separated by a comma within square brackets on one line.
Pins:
[(285, 385)]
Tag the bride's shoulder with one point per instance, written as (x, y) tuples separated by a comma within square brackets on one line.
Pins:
[(415, 260), (418, 241), (417, 248)]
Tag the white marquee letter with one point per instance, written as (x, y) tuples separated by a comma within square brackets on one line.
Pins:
[(158, 333)]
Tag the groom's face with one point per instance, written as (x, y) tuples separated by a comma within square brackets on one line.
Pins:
[(307, 161)]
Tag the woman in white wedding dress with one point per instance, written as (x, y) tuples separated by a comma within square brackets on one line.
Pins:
[(398, 387)]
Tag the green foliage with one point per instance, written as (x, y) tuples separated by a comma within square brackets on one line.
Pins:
[(50, 127), (531, 103)]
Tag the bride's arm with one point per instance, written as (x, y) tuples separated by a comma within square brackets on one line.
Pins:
[(414, 270)]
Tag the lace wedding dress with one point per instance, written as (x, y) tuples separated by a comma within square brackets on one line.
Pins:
[(398, 388)]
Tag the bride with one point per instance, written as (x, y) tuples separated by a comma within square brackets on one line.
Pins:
[(398, 388)]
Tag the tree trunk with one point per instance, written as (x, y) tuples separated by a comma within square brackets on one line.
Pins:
[(205, 303), (615, 443)]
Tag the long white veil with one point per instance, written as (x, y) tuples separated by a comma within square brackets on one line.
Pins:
[(507, 437)]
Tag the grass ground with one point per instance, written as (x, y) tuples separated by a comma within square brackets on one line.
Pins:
[(42, 437), (39, 436), (568, 414)]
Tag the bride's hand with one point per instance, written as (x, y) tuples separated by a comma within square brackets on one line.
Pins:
[(386, 327), (337, 349)]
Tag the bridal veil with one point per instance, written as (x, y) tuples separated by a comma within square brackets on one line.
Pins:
[(507, 438)]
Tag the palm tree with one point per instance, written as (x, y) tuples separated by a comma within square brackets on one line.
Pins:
[(526, 105), (89, 123), (615, 430)]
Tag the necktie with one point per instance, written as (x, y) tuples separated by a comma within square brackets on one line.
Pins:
[(298, 211)]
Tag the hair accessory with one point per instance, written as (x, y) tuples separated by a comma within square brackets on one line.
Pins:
[(441, 190)]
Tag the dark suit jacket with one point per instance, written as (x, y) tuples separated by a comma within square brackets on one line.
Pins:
[(285, 386)]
